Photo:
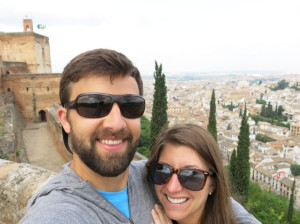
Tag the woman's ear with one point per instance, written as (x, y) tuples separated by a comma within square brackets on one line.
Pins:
[(212, 186), (62, 116)]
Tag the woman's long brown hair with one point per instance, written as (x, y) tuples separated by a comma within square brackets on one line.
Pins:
[(218, 207)]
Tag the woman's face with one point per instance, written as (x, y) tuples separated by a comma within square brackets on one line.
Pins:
[(181, 204)]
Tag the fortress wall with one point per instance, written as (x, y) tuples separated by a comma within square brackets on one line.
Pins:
[(42, 54), (1, 72), (14, 67), (33, 92), (18, 183), (18, 47), (11, 124), (7, 135), (28, 47)]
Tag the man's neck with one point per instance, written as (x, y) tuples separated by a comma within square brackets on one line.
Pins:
[(109, 184)]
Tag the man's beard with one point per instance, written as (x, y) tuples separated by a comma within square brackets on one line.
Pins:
[(108, 164)]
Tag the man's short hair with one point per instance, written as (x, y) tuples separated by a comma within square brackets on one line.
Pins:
[(97, 62)]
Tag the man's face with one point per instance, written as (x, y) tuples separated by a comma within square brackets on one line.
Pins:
[(106, 145)]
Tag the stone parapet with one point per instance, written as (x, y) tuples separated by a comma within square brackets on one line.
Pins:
[(18, 183), (10, 125)]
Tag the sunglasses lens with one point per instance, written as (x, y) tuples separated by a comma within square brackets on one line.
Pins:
[(192, 179), (99, 105), (132, 106), (94, 105), (161, 174)]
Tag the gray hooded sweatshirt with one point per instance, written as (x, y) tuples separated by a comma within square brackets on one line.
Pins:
[(67, 199)]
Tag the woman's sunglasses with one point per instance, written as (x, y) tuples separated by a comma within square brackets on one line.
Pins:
[(96, 105), (191, 179)]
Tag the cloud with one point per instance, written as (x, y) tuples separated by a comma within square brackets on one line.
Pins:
[(190, 36)]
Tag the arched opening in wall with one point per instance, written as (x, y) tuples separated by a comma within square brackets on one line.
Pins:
[(8, 89), (27, 28), (42, 115), (7, 72)]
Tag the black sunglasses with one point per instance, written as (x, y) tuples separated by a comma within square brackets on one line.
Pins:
[(191, 179), (96, 105)]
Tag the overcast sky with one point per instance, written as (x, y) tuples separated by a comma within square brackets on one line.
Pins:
[(186, 36)]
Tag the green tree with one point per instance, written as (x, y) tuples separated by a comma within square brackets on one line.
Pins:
[(264, 138), (291, 205), (280, 111), (263, 110), (212, 124), (232, 169), (231, 107), (282, 84), (269, 110), (261, 96), (242, 175), (144, 143), (159, 118), (295, 170)]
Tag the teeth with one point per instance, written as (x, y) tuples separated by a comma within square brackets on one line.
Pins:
[(177, 200), (110, 142)]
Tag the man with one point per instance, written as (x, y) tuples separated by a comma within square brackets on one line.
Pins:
[(100, 93)]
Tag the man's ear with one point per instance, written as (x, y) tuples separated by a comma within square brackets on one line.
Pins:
[(62, 116)]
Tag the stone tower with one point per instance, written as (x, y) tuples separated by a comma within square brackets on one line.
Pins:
[(25, 52), (27, 24)]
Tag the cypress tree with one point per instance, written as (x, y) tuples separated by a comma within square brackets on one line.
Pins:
[(263, 110), (269, 110), (242, 174), (159, 118), (212, 124), (280, 110), (232, 168), (295, 170), (291, 205)]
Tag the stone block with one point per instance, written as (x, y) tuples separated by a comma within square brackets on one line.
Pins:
[(18, 183), (7, 145)]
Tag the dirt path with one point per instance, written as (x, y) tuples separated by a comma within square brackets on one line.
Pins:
[(40, 148)]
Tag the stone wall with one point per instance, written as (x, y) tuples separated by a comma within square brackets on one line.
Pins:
[(28, 47), (14, 67), (33, 92), (11, 124), (18, 183)]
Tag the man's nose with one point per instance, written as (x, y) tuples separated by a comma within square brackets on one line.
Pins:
[(114, 120), (174, 185)]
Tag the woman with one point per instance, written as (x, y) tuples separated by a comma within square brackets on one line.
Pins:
[(198, 193)]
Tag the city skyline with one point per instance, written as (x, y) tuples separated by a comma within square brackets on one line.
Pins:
[(186, 37)]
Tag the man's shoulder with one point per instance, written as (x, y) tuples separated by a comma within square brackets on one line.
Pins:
[(53, 209), (138, 166)]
